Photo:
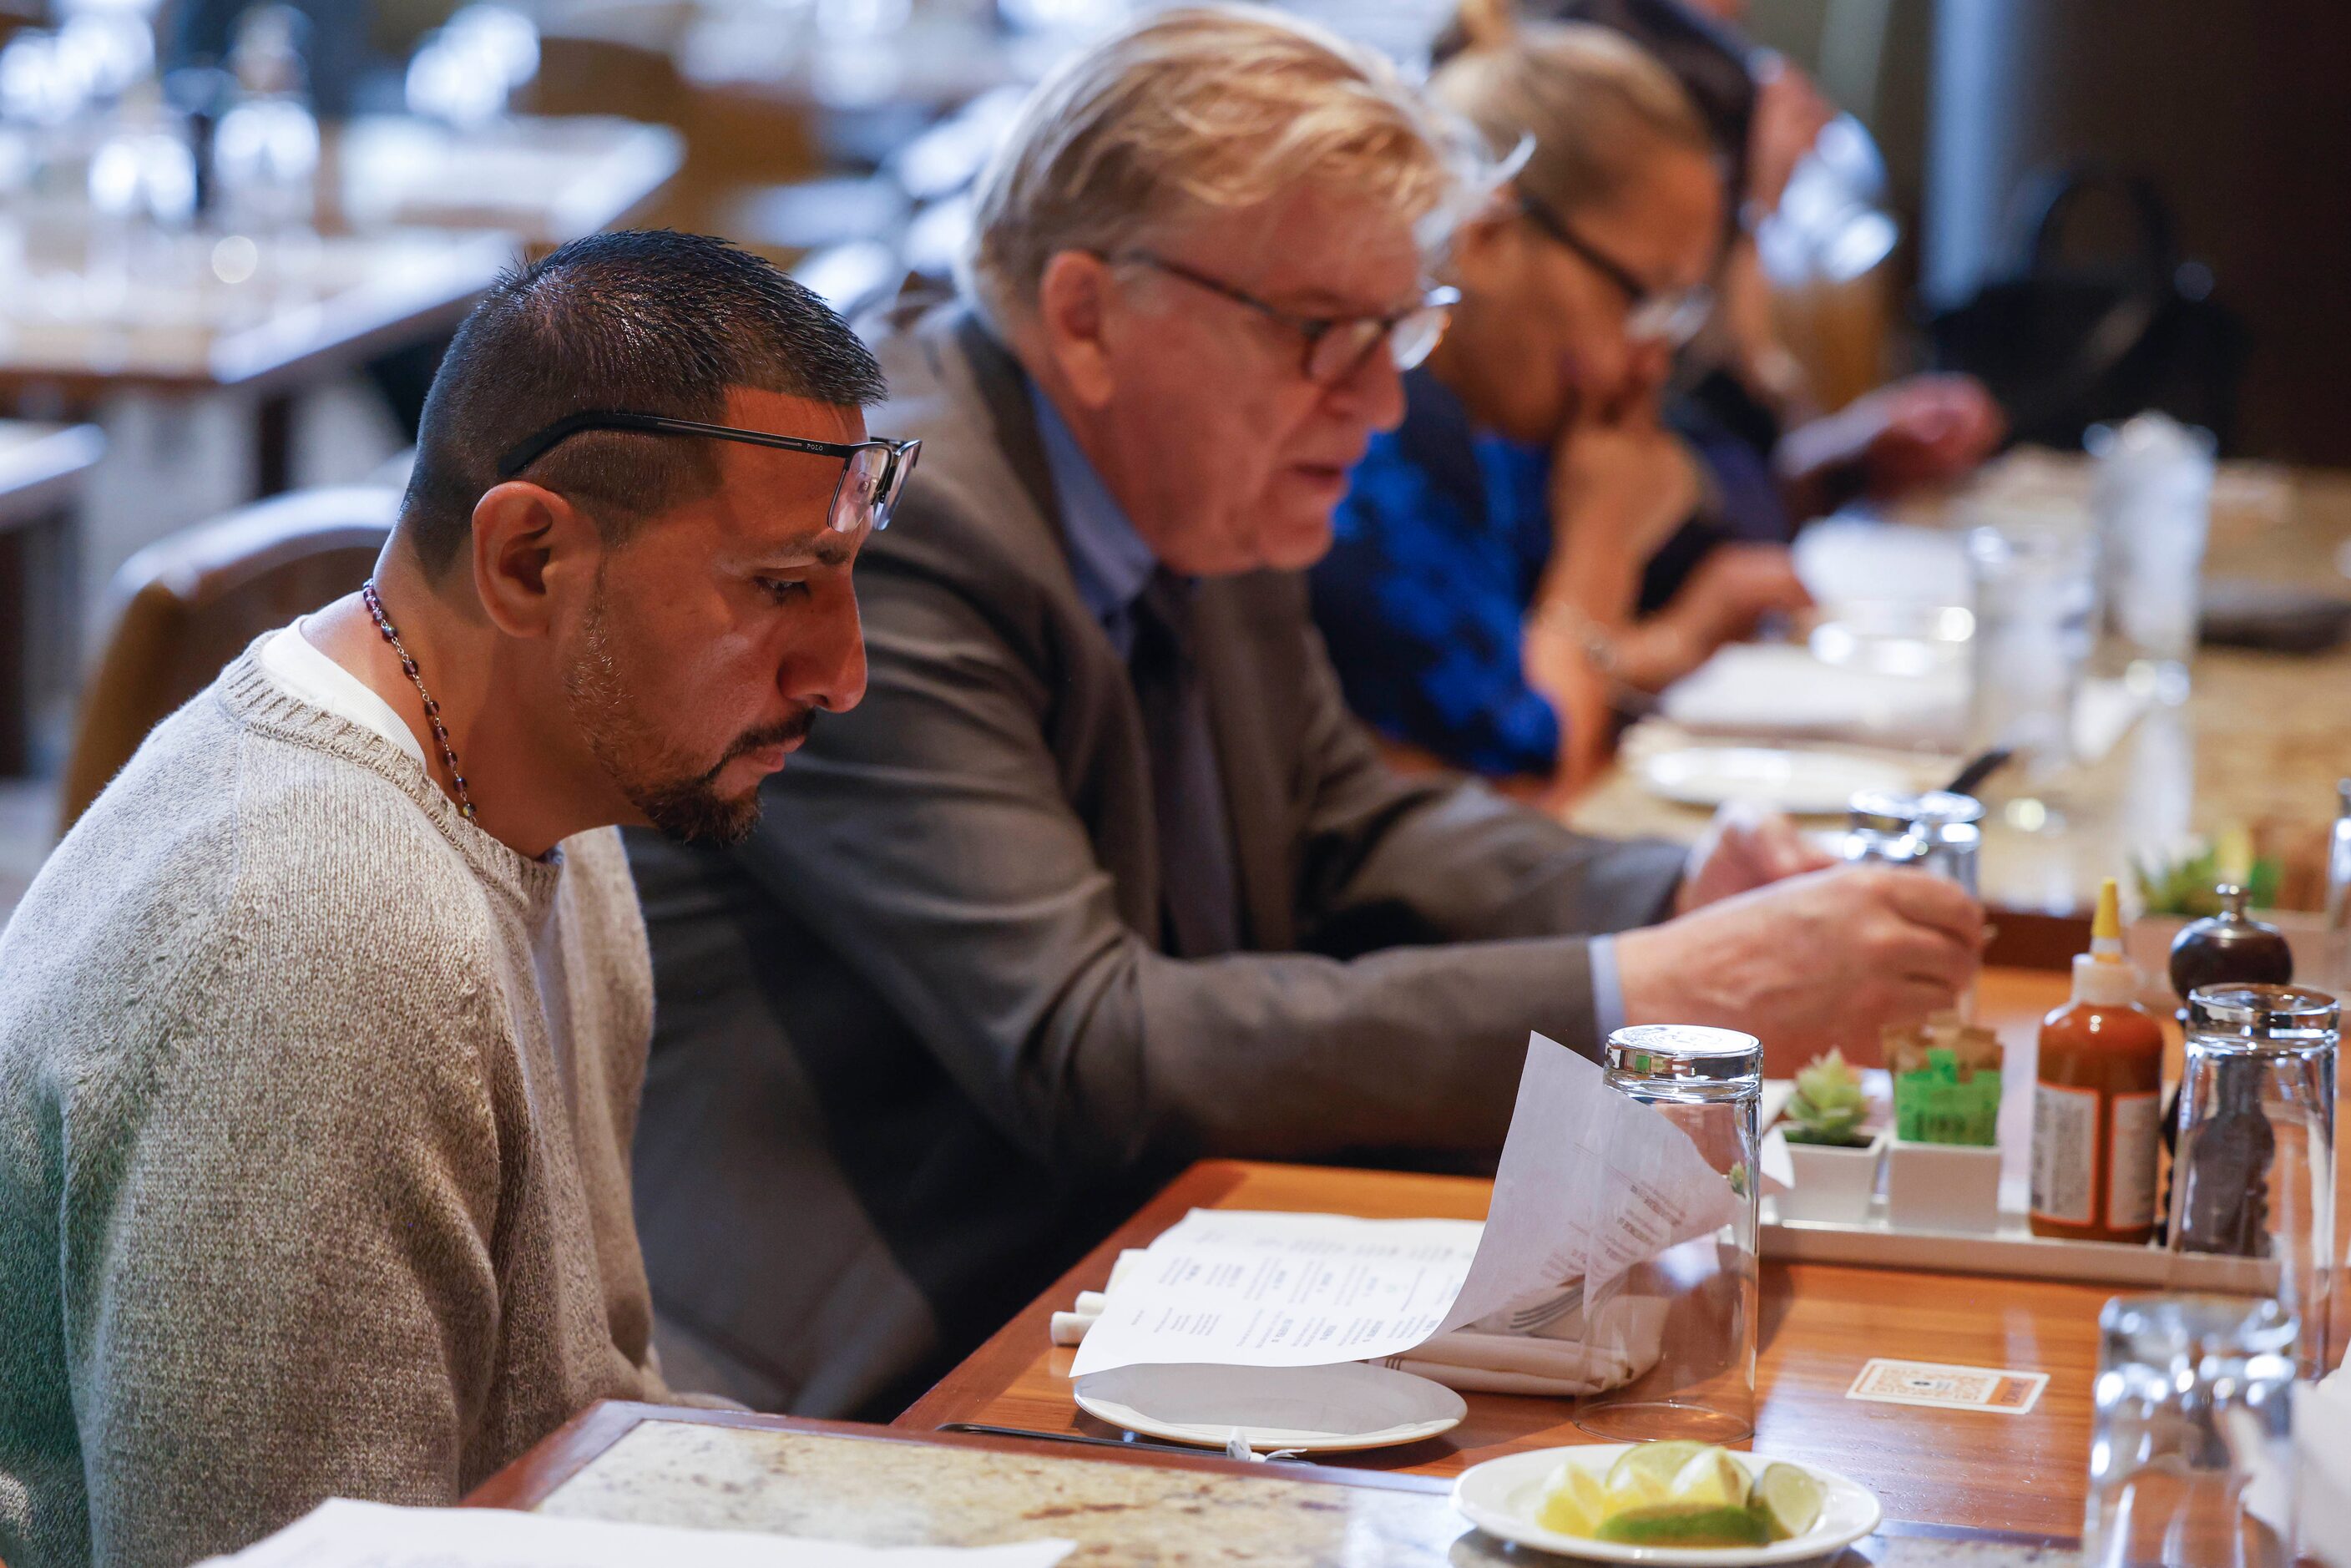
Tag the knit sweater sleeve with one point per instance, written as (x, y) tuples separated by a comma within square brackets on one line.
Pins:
[(278, 1268)]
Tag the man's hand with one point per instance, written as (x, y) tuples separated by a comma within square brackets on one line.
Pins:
[(1826, 958), (1922, 430), (1744, 848), (1931, 429)]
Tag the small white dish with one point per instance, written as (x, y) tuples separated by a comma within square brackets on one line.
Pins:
[(1500, 1496), (1311, 1409), (1800, 783)]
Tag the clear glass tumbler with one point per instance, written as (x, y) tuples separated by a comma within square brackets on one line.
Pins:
[(2194, 1393), (2035, 589), (2253, 1173), (2153, 497), (1707, 1082)]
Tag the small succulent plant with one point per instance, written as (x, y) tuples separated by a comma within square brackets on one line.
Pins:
[(1828, 1107)]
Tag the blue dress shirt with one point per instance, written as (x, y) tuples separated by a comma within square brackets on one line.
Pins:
[(1112, 563)]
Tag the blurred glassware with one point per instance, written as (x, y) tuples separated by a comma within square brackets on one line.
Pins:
[(2254, 1171), (265, 144), (143, 202), (2153, 501), (2338, 976), (2194, 1396), (467, 71), (1070, 18), (2035, 595), (1708, 1082), (858, 61)]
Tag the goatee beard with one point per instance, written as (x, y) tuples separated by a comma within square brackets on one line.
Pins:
[(688, 810)]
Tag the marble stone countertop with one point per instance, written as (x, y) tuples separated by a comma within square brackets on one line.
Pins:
[(884, 1492)]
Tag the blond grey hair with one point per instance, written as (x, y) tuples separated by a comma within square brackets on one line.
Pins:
[(1594, 105), (1200, 109)]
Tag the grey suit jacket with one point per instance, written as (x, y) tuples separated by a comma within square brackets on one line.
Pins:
[(916, 1046)]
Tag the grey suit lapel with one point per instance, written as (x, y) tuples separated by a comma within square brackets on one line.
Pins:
[(1003, 388)]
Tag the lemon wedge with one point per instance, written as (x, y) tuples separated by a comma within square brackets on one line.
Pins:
[(1788, 1498), (1710, 1479), (1573, 1504), (1641, 1476)]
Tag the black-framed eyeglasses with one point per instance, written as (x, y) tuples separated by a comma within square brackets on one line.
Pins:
[(1336, 346), (873, 472), (1651, 316)]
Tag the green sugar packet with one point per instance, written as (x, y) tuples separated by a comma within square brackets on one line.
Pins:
[(1944, 1103)]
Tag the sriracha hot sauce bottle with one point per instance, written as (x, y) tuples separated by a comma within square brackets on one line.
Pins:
[(2097, 1099)]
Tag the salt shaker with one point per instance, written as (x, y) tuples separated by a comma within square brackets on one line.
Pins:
[(1935, 832)]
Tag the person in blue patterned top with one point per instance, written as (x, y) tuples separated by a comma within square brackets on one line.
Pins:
[(1484, 601)]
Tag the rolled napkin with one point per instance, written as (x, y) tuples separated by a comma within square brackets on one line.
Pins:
[(1566, 1358), (1569, 1355)]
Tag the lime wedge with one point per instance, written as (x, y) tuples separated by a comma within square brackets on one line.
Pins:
[(1673, 1526), (1788, 1498), (1641, 1475), (1711, 1478), (1572, 1500)]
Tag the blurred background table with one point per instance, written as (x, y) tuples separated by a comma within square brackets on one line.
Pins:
[(2258, 743), (41, 468)]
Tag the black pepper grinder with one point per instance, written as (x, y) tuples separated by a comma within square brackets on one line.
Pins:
[(2230, 948)]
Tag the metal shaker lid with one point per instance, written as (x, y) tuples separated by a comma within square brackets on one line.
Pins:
[(2286, 1013), (1685, 1051)]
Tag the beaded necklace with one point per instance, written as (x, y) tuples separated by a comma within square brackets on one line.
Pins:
[(431, 708)]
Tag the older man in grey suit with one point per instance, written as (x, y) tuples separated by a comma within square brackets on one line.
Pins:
[(1103, 877)]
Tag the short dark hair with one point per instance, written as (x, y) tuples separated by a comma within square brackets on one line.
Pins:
[(647, 321)]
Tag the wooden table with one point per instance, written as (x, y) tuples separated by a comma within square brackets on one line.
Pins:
[(218, 327), (416, 221), (1820, 1323), (878, 1486), (542, 179), (2260, 742)]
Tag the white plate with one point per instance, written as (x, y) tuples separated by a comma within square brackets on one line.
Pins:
[(1501, 1497), (1315, 1409), (1801, 783)]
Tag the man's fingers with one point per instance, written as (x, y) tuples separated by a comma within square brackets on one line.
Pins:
[(1935, 902)]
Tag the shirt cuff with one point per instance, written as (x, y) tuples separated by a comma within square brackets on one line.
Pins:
[(1607, 991)]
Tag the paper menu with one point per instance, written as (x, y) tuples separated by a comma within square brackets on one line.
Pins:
[(341, 1534), (1590, 1183), (1240, 1288)]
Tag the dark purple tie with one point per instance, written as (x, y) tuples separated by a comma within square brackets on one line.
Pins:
[(1195, 854)]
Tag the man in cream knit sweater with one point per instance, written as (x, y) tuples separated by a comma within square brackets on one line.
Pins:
[(321, 1033)]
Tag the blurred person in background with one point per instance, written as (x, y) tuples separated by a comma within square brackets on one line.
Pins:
[(1745, 402), (1103, 877), (1482, 600)]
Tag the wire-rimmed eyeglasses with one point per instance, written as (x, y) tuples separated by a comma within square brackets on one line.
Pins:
[(1651, 316), (1336, 346), (873, 472)]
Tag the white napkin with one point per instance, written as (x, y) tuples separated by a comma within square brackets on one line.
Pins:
[(1780, 690), (1564, 1358)]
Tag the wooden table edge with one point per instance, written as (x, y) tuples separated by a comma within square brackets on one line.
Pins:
[(539, 1473)]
